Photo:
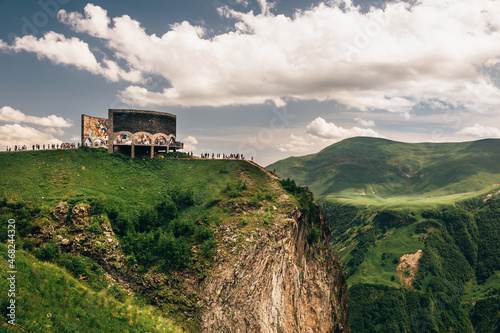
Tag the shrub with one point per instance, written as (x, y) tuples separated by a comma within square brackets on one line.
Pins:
[(208, 248), (313, 235), (203, 233), (234, 191), (117, 293), (74, 264), (290, 186), (95, 228), (48, 252), (173, 252), (244, 221), (167, 210), (183, 197)]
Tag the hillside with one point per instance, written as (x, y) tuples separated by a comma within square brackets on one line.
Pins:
[(46, 291), (421, 253), (373, 171), (212, 245)]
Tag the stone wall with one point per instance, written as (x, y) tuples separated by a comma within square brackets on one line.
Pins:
[(133, 122), (142, 121)]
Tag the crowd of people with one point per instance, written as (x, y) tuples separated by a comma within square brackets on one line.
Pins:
[(43, 146), (223, 156), (77, 145)]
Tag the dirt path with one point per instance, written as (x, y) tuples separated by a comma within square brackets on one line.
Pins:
[(267, 172)]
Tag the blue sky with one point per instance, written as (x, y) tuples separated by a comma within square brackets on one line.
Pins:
[(267, 79)]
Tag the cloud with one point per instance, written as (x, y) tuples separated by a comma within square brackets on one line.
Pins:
[(8, 114), (55, 131), (189, 143), (318, 134), (320, 128), (16, 134), (70, 51), (365, 123), (392, 58), (480, 131), (298, 144), (244, 3)]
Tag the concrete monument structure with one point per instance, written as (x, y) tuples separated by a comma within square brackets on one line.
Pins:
[(135, 132)]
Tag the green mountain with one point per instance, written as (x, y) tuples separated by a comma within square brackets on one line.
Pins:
[(373, 171), (417, 227), (104, 242)]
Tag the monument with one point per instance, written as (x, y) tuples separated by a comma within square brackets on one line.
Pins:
[(132, 132)]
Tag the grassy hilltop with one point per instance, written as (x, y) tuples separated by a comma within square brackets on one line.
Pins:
[(100, 237), (417, 227)]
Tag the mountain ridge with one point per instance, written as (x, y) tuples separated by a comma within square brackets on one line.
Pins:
[(383, 169)]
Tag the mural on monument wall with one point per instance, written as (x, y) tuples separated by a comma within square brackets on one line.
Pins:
[(123, 139), (95, 128), (160, 141), (143, 139)]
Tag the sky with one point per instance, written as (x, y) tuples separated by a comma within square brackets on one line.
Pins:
[(268, 79)]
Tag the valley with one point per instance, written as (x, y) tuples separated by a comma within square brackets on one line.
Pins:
[(437, 204)]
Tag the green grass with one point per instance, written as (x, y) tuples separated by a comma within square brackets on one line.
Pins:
[(45, 177), (378, 271), (416, 202), (476, 292), (48, 299)]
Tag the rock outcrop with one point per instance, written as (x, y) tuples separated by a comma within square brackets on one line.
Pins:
[(278, 282)]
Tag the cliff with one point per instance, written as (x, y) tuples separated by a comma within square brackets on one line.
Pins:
[(278, 282), (267, 280)]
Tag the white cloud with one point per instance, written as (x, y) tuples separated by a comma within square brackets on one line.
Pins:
[(8, 114), (320, 128), (71, 51), (15, 134), (318, 134), (191, 140), (401, 55), (55, 131), (391, 58), (265, 6), (244, 3), (365, 123), (298, 144), (190, 143), (480, 131)]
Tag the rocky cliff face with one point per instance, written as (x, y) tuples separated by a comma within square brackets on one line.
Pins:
[(269, 279), (278, 282)]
